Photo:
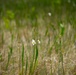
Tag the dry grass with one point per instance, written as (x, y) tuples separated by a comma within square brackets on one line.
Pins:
[(46, 62)]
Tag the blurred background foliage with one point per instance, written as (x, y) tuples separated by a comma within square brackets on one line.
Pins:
[(20, 9), (55, 6)]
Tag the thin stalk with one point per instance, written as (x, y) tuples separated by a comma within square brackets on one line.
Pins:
[(10, 53), (9, 56), (22, 58), (51, 69), (33, 63), (19, 62), (26, 65)]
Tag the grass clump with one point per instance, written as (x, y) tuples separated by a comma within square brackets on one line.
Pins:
[(39, 46)]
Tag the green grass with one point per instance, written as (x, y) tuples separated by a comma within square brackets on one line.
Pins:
[(53, 55), (22, 59)]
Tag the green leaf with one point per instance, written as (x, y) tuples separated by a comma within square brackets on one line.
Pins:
[(10, 14), (11, 49), (0, 56), (22, 54), (36, 54), (26, 65), (62, 29), (22, 58), (7, 23)]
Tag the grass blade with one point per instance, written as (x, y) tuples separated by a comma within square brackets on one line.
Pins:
[(9, 56), (36, 56), (26, 65), (22, 58)]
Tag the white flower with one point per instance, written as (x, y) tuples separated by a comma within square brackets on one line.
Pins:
[(33, 42), (39, 41), (49, 14)]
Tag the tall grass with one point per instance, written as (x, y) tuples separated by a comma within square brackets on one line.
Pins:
[(34, 61), (10, 52), (30, 64), (23, 59), (26, 66), (59, 50), (9, 56)]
